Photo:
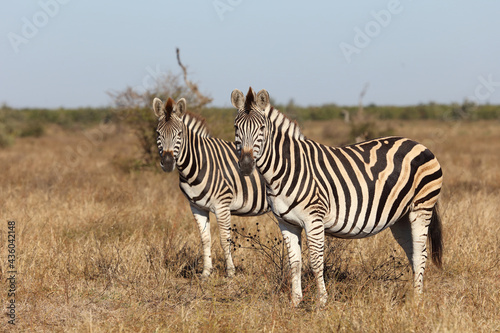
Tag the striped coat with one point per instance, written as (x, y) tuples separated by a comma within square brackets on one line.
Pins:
[(354, 191)]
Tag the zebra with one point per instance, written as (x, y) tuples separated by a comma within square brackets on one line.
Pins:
[(353, 191), (208, 175)]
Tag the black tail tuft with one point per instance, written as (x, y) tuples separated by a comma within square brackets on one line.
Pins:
[(436, 238)]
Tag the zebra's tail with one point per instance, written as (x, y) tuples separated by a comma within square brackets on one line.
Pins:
[(436, 237)]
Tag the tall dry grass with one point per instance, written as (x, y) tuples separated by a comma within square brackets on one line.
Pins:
[(104, 247)]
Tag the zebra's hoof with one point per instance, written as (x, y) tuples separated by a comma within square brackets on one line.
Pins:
[(230, 273), (322, 300), (205, 275), (296, 299)]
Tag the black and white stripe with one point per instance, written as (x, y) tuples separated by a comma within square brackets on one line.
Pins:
[(354, 191), (208, 175)]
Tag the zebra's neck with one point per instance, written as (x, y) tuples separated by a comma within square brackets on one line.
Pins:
[(194, 135), (285, 125), (282, 132), (195, 125)]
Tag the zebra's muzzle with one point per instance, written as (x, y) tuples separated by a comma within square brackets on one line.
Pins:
[(167, 162), (246, 163)]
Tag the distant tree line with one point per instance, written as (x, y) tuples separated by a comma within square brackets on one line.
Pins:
[(32, 122)]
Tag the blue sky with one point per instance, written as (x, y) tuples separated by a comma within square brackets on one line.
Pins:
[(70, 52)]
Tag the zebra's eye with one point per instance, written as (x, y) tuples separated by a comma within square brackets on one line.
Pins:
[(262, 127)]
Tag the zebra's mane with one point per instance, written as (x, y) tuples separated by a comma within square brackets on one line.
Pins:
[(287, 125), (196, 123)]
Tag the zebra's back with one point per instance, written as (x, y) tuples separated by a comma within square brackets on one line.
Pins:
[(359, 189)]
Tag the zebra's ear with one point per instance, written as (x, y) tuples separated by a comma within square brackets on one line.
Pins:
[(181, 108), (263, 99), (158, 107), (237, 99)]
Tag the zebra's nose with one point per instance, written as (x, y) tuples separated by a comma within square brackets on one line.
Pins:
[(167, 162), (246, 163)]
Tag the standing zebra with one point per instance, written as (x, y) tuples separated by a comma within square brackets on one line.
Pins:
[(208, 175), (354, 191)]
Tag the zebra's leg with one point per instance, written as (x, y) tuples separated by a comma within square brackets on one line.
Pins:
[(420, 220), (292, 238), (203, 220), (223, 216), (401, 230), (315, 233), (411, 233)]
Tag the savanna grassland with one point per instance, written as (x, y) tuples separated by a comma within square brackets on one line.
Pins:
[(103, 245)]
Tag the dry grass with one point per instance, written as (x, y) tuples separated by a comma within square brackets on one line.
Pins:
[(102, 249)]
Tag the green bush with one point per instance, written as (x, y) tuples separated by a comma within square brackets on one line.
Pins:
[(6, 138), (32, 129), (32, 122)]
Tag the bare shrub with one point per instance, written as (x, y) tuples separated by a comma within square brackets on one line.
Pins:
[(271, 250), (276, 269), (133, 107)]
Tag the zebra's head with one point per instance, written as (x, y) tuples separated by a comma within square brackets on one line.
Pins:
[(251, 126), (169, 130)]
